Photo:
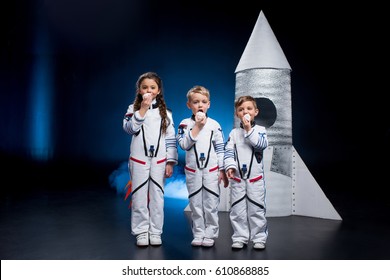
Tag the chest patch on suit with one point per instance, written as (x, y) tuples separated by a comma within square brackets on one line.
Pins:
[(181, 128)]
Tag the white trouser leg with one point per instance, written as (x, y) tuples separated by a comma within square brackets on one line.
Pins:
[(156, 198), (194, 187), (147, 201), (256, 212), (139, 199), (238, 212), (211, 194)]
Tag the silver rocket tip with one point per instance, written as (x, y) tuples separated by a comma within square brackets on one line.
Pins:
[(263, 49)]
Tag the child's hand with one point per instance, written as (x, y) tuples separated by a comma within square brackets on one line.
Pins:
[(246, 122), (223, 177), (145, 104), (230, 173), (169, 169), (147, 100), (200, 119)]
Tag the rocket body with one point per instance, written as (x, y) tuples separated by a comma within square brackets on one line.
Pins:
[(264, 73)]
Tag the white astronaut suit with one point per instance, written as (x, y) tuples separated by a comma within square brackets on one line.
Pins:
[(204, 160), (244, 153), (150, 150)]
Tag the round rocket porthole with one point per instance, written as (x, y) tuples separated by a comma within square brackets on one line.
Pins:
[(267, 112)]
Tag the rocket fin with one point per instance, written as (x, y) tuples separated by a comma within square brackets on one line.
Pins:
[(308, 198)]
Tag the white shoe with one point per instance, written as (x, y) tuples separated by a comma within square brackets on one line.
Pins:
[(237, 245), (142, 239), (197, 241), (208, 242), (258, 246), (155, 239)]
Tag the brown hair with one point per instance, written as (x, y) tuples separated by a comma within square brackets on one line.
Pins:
[(243, 99), (159, 98)]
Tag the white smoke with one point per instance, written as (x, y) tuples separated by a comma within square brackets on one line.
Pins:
[(119, 178), (175, 186)]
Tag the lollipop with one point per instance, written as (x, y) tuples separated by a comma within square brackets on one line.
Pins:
[(247, 117)]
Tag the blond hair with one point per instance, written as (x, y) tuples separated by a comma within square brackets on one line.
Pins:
[(198, 89)]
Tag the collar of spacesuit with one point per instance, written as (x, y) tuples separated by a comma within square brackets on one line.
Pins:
[(155, 104), (252, 124), (193, 117)]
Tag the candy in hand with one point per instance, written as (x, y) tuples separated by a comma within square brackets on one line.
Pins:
[(146, 95), (200, 115)]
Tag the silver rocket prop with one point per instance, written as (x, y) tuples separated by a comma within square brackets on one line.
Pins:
[(264, 73)]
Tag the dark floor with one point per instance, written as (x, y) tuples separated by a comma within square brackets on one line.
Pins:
[(92, 223)]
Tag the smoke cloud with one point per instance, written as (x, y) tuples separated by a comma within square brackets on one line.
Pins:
[(175, 186)]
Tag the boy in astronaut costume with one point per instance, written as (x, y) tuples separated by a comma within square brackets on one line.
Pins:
[(244, 168), (202, 139), (153, 153)]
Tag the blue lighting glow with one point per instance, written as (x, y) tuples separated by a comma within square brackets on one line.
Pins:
[(40, 136)]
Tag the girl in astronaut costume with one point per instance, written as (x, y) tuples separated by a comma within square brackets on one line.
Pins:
[(244, 168), (153, 153), (202, 139)]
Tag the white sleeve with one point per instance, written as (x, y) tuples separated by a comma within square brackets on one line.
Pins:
[(257, 138), (230, 158), (184, 136), (170, 141), (219, 145), (132, 121)]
